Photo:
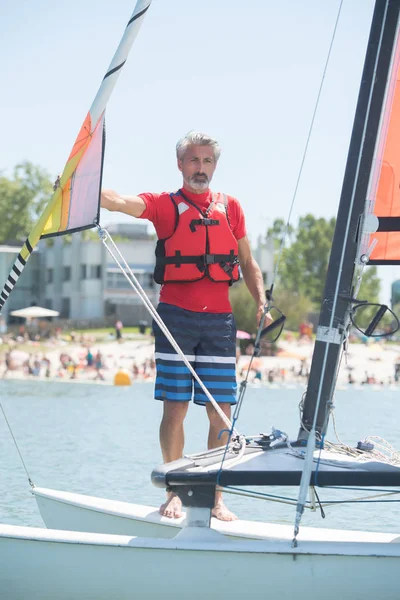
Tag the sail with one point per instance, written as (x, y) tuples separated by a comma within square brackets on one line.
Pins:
[(78, 204), (384, 192), (75, 204)]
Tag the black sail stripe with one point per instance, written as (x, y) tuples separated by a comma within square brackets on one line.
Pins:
[(114, 70), (17, 271), (3, 295), (11, 280), (387, 224), (7, 288), (135, 17), (21, 260), (382, 261), (29, 247)]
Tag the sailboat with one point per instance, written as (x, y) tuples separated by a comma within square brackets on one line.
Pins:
[(101, 549)]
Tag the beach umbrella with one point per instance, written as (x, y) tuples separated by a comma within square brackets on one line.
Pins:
[(34, 312), (242, 335)]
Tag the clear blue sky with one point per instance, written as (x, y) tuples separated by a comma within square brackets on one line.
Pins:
[(245, 72)]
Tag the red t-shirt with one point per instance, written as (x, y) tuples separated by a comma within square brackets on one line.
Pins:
[(204, 295)]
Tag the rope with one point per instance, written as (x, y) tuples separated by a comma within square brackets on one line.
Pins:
[(16, 445), (134, 283), (382, 451)]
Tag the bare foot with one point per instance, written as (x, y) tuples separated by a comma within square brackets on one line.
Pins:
[(172, 508), (222, 513)]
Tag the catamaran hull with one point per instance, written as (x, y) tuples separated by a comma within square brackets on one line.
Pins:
[(79, 512), (47, 564)]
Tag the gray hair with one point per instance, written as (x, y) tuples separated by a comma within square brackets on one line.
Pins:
[(195, 138)]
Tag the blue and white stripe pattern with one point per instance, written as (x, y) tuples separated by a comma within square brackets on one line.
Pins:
[(209, 343)]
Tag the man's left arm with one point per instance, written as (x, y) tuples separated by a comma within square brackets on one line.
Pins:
[(253, 277)]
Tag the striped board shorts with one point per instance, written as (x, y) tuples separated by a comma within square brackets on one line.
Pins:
[(208, 341)]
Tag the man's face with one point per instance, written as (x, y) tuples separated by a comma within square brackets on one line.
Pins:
[(197, 167)]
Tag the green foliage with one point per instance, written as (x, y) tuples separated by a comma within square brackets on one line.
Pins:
[(370, 285), (304, 263), (278, 232), (243, 308), (303, 266), (369, 291), (22, 200), (294, 306)]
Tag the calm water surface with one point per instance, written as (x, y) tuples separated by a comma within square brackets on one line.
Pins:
[(103, 441)]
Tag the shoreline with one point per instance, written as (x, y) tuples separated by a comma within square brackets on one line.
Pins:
[(365, 364)]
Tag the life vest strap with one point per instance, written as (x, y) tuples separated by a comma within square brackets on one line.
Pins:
[(206, 222), (211, 259), (226, 261), (178, 260)]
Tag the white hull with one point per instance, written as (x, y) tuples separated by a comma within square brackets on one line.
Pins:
[(78, 512), (198, 564)]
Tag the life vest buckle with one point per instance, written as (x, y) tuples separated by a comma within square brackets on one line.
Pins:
[(206, 222), (209, 259)]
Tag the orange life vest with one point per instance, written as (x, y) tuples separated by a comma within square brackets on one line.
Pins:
[(202, 244)]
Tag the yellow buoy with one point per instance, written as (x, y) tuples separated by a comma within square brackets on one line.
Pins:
[(122, 378)]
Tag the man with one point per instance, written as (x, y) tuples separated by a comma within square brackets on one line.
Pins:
[(201, 240)]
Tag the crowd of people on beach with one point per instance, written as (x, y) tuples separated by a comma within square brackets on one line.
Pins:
[(89, 365), (79, 361)]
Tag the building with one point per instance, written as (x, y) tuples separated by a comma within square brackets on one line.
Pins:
[(29, 286), (264, 255), (77, 276), (84, 283)]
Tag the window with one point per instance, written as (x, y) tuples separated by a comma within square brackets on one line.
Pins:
[(65, 308), (117, 281), (48, 303), (49, 278), (95, 272), (83, 271), (67, 274)]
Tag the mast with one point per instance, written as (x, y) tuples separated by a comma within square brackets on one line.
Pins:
[(339, 280), (87, 132)]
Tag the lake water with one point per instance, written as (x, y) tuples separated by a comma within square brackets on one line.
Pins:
[(103, 441)]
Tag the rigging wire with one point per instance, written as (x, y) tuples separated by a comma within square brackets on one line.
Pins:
[(304, 156), (17, 447), (293, 501)]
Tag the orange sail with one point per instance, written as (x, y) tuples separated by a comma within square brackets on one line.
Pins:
[(77, 206), (386, 187)]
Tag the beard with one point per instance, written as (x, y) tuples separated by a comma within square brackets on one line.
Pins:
[(198, 181)]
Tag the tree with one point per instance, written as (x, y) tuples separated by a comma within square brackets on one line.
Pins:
[(303, 266), (369, 291), (278, 232), (370, 285), (294, 306), (22, 200), (243, 307), (305, 262)]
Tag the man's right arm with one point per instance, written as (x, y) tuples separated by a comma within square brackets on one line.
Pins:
[(130, 205)]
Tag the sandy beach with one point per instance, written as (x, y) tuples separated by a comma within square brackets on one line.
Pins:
[(372, 363)]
